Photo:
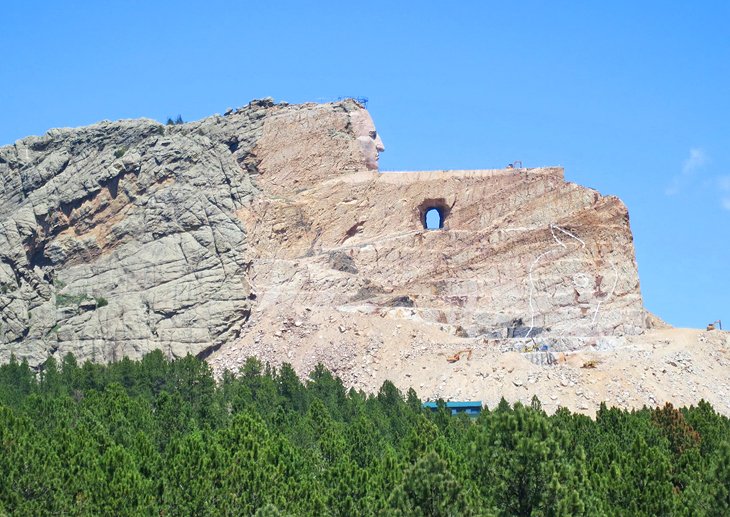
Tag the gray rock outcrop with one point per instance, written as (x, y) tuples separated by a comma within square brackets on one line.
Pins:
[(121, 237)]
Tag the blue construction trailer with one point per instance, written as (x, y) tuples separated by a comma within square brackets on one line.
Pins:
[(470, 408)]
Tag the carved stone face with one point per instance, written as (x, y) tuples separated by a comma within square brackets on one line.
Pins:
[(367, 136)]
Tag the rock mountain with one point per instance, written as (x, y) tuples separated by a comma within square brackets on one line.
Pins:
[(270, 231)]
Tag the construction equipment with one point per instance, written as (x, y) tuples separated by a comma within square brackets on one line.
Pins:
[(715, 325), (517, 164), (457, 355)]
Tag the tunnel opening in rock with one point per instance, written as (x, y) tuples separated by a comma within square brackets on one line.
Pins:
[(433, 219), (432, 213)]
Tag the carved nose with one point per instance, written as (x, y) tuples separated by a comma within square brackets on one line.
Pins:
[(378, 142)]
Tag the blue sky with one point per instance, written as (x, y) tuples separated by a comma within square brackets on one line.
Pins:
[(632, 98)]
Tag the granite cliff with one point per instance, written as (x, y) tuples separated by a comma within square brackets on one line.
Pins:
[(123, 237), (269, 231)]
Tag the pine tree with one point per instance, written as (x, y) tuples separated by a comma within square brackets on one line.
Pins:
[(187, 484), (719, 482), (429, 489), (122, 490)]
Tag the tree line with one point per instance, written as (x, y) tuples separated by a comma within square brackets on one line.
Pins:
[(162, 437)]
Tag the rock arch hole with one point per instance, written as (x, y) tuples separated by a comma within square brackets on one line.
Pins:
[(432, 213), (433, 218)]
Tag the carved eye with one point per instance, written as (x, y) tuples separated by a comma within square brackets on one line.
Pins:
[(373, 134)]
